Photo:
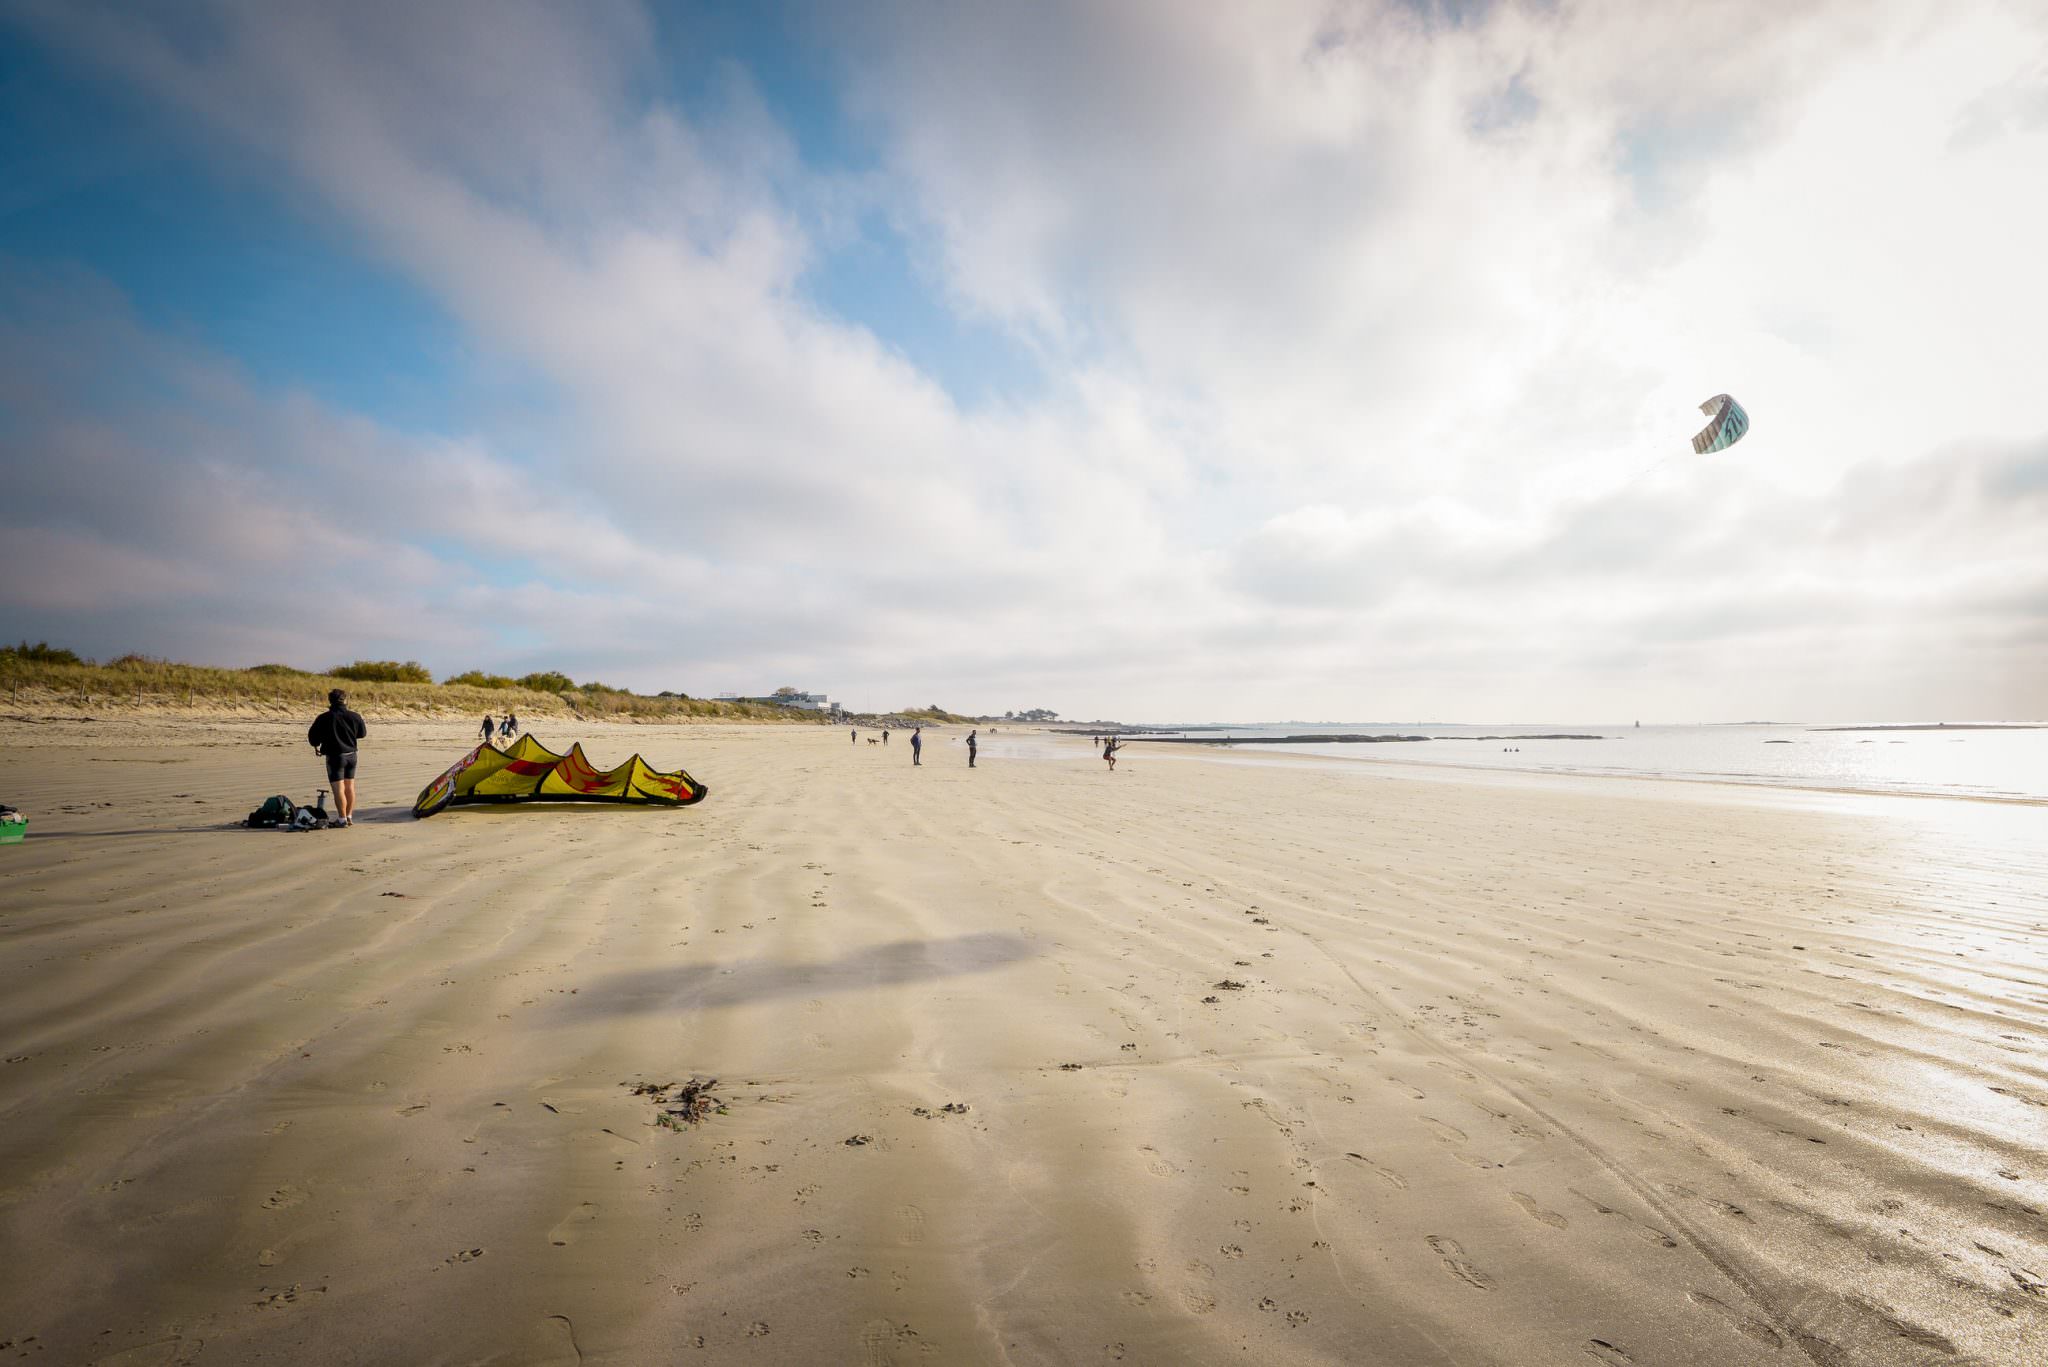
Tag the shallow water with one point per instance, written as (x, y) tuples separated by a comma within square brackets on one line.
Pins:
[(2008, 764)]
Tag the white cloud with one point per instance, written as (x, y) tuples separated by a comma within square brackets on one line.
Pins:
[(1359, 330)]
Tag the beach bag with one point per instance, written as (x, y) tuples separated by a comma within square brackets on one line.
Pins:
[(275, 811)]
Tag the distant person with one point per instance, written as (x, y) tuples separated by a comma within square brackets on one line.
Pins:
[(490, 725), (1109, 749), (885, 735), (970, 749), (917, 746), (853, 736), (511, 724), (335, 733), (505, 728)]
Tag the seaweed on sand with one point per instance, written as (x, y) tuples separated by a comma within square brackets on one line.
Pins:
[(682, 1103)]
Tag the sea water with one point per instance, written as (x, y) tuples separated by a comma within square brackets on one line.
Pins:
[(1956, 762)]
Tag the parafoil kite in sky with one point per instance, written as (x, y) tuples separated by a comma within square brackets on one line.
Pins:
[(1726, 423)]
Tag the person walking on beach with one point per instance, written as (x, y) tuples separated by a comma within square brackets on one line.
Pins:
[(917, 746), (853, 736), (511, 724), (505, 727), (1109, 749), (885, 735), (970, 749), (335, 733), (489, 725)]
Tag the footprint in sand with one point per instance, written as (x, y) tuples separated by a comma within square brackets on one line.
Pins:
[(1196, 1301), (1448, 1134), (551, 1340), (1536, 1212), (571, 1227), (161, 1353), (1455, 1263), (618, 1145), (1600, 1350), (1156, 1165), (880, 1341), (909, 1225), (1756, 1329), (284, 1198), (1640, 1230), (1387, 1175)]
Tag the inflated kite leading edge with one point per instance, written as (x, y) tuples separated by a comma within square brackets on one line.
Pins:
[(1726, 422), (530, 772)]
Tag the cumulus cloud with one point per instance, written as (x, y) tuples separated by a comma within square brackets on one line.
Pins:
[(1364, 331)]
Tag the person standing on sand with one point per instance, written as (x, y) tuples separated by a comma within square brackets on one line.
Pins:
[(512, 722), (854, 736), (1109, 749), (970, 749), (488, 727), (917, 746), (885, 735), (334, 734)]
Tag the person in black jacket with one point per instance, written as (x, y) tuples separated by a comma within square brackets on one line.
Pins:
[(334, 733)]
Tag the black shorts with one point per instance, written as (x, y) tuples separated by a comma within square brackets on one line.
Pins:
[(341, 766)]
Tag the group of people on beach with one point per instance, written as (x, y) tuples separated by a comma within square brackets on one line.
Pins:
[(1110, 744), (916, 743), (336, 732)]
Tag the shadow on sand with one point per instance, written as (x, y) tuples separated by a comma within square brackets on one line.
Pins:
[(395, 815), (740, 981), (40, 836)]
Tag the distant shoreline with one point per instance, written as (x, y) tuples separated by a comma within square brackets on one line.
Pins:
[(1943, 726), (1346, 739)]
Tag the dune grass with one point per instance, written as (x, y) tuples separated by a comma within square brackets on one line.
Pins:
[(43, 679)]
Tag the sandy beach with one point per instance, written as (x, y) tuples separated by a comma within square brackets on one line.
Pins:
[(1252, 1062)]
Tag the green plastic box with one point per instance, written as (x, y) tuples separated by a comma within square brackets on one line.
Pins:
[(11, 832)]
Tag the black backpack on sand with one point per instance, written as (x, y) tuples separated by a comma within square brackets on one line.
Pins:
[(275, 811)]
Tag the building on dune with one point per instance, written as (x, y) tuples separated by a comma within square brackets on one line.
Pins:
[(787, 697)]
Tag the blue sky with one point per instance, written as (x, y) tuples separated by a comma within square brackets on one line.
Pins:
[(205, 245), (1289, 359)]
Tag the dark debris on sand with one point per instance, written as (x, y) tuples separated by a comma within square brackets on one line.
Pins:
[(682, 1103)]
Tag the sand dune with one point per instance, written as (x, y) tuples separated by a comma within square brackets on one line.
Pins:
[(1276, 1062)]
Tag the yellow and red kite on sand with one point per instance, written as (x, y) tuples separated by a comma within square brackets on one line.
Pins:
[(530, 772)]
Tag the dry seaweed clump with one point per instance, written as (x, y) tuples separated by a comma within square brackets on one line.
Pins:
[(682, 1104)]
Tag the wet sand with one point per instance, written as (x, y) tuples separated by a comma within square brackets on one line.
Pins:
[(1287, 1062)]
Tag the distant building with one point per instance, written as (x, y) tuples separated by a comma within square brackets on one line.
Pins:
[(807, 702)]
